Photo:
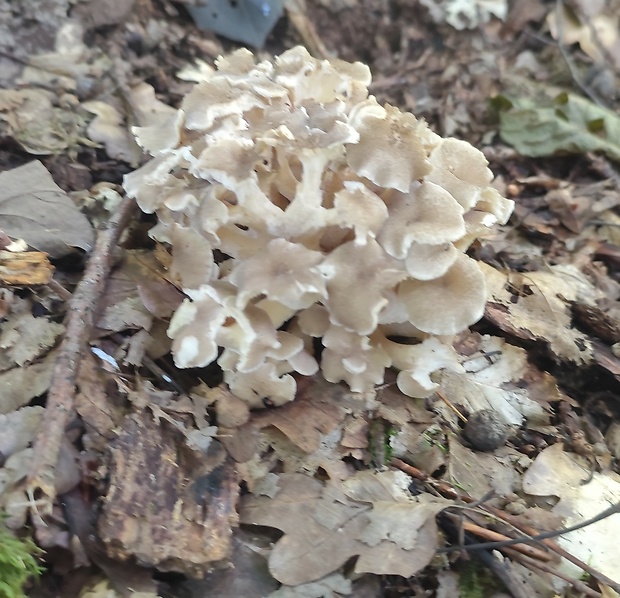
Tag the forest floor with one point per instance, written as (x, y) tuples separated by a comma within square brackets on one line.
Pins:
[(136, 478)]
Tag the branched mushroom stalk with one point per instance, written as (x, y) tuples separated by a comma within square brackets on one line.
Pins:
[(338, 219)]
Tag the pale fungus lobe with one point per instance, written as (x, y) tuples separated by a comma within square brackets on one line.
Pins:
[(302, 213)]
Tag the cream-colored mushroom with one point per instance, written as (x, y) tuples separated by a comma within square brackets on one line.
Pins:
[(214, 99), (323, 81), (250, 334), (283, 271), (298, 209), (366, 268), (448, 304), (159, 138), (389, 151), (152, 182), (460, 169), (314, 321), (357, 207), (493, 202), (193, 329), (192, 258), (354, 358), (418, 362), (228, 161), (426, 262), (427, 214), (260, 385)]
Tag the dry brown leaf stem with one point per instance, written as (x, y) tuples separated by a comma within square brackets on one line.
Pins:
[(587, 91), (80, 319), (493, 536)]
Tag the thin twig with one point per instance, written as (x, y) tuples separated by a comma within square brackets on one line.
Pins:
[(496, 537), (559, 14), (80, 319), (451, 405), (606, 55), (58, 289)]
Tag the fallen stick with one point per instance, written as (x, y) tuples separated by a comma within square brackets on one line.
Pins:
[(80, 319)]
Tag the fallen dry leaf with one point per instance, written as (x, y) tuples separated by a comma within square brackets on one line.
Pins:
[(491, 383), (34, 208), (140, 276), (21, 384), (331, 586), (246, 576), (17, 429), (478, 473), (302, 421), (97, 404), (97, 13), (32, 119), (371, 515), (25, 338), (535, 306), (104, 589), (12, 501), (597, 34), (582, 496)]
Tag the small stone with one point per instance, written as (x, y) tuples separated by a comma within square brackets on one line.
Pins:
[(515, 508), (485, 430)]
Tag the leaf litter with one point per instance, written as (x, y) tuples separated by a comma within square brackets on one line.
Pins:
[(170, 472)]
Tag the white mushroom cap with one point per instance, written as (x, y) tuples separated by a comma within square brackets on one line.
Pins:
[(239, 62), (425, 262), (314, 321), (322, 81), (227, 160), (193, 328), (192, 258), (283, 271), (214, 99), (262, 383), (366, 268), (418, 362), (448, 304), (427, 214), (389, 152), (151, 183), (460, 169), (357, 207), (160, 137), (493, 202), (354, 358), (250, 334)]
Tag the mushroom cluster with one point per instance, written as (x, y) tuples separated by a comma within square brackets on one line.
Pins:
[(298, 209)]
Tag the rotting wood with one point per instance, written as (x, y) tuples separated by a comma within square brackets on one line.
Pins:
[(25, 268), (168, 506)]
